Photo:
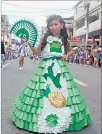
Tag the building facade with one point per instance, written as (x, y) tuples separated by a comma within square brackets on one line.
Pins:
[(5, 30), (88, 21)]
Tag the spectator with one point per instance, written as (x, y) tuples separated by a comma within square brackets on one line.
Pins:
[(2, 54), (81, 53), (85, 56), (75, 58), (100, 56)]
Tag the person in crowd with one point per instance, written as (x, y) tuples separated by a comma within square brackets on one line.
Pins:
[(81, 54), (96, 56), (75, 58), (100, 55), (2, 54), (85, 56)]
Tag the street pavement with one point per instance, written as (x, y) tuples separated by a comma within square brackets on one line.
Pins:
[(13, 81)]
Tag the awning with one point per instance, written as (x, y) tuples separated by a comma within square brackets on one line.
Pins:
[(73, 44), (75, 41)]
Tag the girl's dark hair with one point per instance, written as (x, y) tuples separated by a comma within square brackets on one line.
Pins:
[(63, 34)]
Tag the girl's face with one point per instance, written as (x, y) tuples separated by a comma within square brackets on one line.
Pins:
[(55, 27)]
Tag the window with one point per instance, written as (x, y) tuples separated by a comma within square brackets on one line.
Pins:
[(80, 23), (93, 16)]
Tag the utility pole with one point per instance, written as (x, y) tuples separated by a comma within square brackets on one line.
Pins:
[(87, 22)]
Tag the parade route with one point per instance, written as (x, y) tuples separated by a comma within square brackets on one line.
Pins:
[(76, 80), (7, 64), (80, 83)]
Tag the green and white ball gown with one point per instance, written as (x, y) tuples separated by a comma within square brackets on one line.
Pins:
[(51, 101)]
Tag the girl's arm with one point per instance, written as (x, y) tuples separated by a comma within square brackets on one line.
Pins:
[(69, 53), (36, 51)]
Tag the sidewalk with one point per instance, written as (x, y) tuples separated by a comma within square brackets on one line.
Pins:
[(7, 62), (86, 65)]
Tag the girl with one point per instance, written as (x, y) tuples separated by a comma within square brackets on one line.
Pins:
[(51, 102), (21, 53)]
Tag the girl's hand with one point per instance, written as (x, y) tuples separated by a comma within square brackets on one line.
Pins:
[(65, 57), (29, 44)]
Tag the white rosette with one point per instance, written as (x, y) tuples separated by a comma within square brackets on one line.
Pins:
[(64, 120), (49, 39)]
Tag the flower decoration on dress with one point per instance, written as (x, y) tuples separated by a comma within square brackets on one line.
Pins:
[(49, 39), (52, 120), (56, 99)]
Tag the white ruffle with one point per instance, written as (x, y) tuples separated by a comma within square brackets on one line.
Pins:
[(64, 115), (50, 39)]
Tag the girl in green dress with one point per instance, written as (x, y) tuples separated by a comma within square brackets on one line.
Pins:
[(51, 101)]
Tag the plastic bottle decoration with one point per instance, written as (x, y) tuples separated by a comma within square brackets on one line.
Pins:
[(28, 29)]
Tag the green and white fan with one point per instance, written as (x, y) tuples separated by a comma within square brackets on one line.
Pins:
[(24, 28)]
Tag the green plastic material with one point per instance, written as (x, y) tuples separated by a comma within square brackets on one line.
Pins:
[(25, 28), (29, 104)]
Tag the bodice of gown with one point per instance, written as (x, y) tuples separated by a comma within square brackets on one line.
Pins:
[(53, 47)]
